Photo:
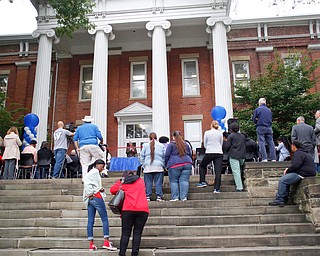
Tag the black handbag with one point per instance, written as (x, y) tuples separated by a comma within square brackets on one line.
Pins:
[(116, 202)]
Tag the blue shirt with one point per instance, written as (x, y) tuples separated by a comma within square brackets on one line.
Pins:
[(262, 116), (87, 134)]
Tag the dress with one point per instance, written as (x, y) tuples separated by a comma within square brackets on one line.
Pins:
[(179, 171), (87, 135), (262, 118), (306, 135), (213, 142), (11, 154), (153, 172), (135, 212)]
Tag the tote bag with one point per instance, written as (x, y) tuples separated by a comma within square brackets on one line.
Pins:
[(116, 202)]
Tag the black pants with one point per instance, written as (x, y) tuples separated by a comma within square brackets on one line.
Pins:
[(135, 220), (217, 163)]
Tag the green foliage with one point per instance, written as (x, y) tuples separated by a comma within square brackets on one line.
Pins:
[(72, 15), (286, 86)]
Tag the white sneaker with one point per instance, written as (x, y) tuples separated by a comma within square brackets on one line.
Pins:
[(159, 199), (184, 199), (216, 191), (174, 200), (264, 160)]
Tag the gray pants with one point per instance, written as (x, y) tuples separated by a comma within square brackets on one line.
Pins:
[(9, 169)]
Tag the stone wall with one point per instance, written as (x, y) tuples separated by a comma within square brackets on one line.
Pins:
[(261, 180)]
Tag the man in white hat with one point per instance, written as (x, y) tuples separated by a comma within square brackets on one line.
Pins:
[(86, 140)]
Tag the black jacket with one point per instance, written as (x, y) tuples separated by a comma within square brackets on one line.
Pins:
[(236, 146), (302, 164)]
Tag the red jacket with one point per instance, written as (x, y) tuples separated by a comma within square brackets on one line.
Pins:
[(135, 196)]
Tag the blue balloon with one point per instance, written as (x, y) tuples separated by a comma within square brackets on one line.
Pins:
[(31, 120), (218, 113)]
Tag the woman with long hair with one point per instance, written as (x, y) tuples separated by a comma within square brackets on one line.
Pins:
[(11, 155), (135, 210), (152, 160), (213, 141), (178, 159)]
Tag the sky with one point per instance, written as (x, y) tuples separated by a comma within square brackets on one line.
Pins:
[(19, 17)]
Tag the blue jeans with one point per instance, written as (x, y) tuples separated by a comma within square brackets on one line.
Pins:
[(179, 181), (265, 135), (284, 186), (157, 177), (97, 204), (60, 156)]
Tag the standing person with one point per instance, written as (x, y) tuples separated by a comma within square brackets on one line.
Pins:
[(305, 134), (178, 160), (86, 141), (317, 132), (152, 160), (60, 137), (212, 141), (236, 148), (93, 194), (11, 154), (135, 210), (262, 118), (131, 150), (301, 166)]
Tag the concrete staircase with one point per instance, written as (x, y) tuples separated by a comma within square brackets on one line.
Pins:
[(48, 217)]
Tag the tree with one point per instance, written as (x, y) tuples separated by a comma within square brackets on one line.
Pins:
[(72, 15), (286, 86)]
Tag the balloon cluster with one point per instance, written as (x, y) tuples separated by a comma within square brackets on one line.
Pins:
[(30, 130), (218, 113)]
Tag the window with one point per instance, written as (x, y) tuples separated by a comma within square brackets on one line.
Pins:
[(240, 74), (293, 62), (190, 77), (86, 82), (3, 89), (138, 88), (137, 131)]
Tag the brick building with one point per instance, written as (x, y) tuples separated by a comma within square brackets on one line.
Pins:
[(147, 66)]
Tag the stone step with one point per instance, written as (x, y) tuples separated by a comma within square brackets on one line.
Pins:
[(171, 242), (164, 230), (39, 199), (43, 213), (160, 220)]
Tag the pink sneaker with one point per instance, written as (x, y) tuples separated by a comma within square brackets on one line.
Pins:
[(92, 247), (108, 245)]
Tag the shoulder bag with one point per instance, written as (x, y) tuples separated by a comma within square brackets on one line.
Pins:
[(116, 202)]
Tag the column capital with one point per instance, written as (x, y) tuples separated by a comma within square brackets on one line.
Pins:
[(211, 22), (106, 29), (50, 33), (165, 24)]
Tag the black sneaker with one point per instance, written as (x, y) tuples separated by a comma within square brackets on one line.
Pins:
[(276, 203)]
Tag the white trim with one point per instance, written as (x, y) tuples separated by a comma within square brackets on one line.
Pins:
[(80, 82)]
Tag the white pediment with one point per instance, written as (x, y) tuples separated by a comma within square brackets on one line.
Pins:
[(135, 109)]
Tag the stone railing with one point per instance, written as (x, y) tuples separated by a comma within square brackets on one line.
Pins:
[(261, 180)]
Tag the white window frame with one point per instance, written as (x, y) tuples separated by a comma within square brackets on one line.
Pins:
[(6, 88), (235, 80), (80, 82), (184, 77), (131, 78)]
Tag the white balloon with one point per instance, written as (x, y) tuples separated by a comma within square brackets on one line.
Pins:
[(26, 128), (31, 136), (28, 132)]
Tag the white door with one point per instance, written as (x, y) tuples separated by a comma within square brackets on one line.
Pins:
[(193, 132)]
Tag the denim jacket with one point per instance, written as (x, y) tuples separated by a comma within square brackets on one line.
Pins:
[(145, 157)]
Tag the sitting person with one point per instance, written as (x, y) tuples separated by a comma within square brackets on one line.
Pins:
[(31, 149), (73, 164), (301, 166), (45, 156)]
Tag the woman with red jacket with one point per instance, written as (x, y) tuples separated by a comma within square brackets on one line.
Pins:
[(135, 210)]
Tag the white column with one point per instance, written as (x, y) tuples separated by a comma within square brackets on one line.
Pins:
[(222, 84), (99, 97), (40, 100), (160, 98)]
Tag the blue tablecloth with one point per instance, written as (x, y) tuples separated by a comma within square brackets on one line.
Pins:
[(124, 164)]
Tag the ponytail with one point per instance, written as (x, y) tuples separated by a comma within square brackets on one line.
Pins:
[(152, 137), (181, 146)]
